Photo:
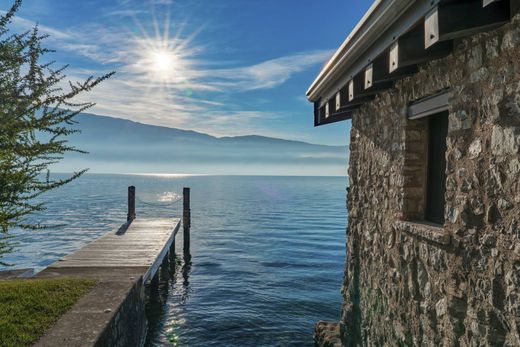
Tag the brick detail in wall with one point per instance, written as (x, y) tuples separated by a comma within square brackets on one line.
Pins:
[(415, 134)]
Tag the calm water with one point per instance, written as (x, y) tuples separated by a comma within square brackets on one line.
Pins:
[(268, 252)]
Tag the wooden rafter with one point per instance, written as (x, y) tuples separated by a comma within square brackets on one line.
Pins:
[(409, 50), (360, 87), (455, 19), (382, 72)]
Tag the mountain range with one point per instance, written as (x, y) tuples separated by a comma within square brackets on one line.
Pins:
[(122, 146)]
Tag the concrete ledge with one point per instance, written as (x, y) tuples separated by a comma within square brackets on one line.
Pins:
[(425, 230), (327, 334), (111, 314)]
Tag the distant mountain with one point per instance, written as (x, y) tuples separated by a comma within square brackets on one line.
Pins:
[(122, 146)]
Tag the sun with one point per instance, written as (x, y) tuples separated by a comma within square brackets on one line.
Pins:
[(162, 61), (160, 56)]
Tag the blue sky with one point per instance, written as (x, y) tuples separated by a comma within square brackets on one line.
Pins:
[(226, 67)]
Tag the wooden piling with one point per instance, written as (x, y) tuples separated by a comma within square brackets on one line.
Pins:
[(165, 267), (186, 221), (154, 286), (172, 250), (131, 204)]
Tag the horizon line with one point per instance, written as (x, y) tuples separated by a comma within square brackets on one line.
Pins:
[(181, 175)]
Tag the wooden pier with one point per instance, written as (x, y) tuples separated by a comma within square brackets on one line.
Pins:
[(141, 243), (122, 261)]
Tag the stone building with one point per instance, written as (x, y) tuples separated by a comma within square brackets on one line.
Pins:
[(433, 238)]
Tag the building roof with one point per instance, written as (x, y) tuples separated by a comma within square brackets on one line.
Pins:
[(388, 43)]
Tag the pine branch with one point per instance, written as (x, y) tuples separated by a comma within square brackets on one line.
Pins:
[(36, 117)]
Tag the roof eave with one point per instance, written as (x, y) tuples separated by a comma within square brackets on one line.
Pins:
[(381, 16)]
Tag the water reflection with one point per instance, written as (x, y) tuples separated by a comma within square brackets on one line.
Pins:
[(185, 293), (172, 279)]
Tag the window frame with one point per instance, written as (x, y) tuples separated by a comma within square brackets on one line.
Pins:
[(429, 105), (417, 140)]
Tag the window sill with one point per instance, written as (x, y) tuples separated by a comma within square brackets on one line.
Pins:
[(425, 230)]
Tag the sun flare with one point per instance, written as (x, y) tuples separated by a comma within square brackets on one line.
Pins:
[(161, 56), (162, 61)]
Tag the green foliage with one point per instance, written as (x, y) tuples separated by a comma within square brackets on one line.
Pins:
[(36, 114), (29, 307)]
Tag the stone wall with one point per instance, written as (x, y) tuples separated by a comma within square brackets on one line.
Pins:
[(416, 284), (128, 326), (111, 314)]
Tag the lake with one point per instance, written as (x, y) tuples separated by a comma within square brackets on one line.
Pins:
[(267, 252)]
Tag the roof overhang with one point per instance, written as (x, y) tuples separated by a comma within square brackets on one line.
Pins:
[(388, 43)]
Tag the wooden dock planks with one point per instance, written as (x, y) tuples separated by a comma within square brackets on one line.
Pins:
[(143, 243)]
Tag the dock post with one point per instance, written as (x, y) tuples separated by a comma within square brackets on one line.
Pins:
[(154, 286), (186, 222), (172, 250), (131, 204), (165, 268)]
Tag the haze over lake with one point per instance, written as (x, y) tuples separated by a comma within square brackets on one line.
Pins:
[(123, 146)]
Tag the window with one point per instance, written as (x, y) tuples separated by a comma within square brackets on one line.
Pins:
[(436, 167), (424, 165), (424, 169)]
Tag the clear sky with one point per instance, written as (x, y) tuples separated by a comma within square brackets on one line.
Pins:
[(224, 67)]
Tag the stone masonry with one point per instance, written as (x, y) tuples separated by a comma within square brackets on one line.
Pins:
[(410, 283)]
